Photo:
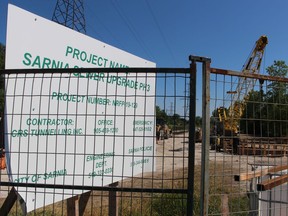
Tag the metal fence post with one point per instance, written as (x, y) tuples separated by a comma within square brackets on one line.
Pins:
[(113, 207), (204, 196), (191, 158), (205, 136)]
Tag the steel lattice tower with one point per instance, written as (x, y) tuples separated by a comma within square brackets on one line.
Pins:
[(70, 13)]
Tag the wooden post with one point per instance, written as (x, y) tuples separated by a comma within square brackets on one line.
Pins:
[(9, 202), (76, 206), (73, 206), (83, 200), (268, 184), (224, 205), (254, 174), (113, 207)]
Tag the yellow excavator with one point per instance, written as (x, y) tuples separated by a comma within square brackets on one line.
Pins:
[(227, 129)]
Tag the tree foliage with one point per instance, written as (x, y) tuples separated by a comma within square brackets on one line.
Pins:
[(175, 121), (267, 114)]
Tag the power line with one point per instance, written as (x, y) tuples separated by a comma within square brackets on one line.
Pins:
[(99, 21), (161, 32), (131, 29)]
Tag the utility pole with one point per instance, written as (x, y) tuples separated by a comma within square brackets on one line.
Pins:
[(186, 100), (170, 110), (70, 13)]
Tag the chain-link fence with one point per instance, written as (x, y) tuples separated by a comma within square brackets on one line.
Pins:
[(97, 142), (249, 139), (143, 141)]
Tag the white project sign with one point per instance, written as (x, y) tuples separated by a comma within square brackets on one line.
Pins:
[(88, 129)]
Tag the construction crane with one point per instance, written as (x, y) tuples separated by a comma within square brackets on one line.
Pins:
[(230, 117), (70, 13)]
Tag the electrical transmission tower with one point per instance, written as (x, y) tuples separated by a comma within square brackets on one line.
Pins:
[(70, 13)]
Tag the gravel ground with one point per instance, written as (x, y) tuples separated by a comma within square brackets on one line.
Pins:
[(172, 155)]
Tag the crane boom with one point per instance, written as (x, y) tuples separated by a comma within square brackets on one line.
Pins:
[(244, 86), (252, 66)]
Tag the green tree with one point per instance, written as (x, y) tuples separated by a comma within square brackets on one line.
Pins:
[(276, 111), (278, 90), (175, 121), (161, 114), (250, 120), (267, 114), (198, 121)]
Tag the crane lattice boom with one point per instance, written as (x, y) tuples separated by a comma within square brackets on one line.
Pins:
[(244, 86)]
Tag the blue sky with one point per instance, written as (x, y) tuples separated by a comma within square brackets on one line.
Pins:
[(167, 32)]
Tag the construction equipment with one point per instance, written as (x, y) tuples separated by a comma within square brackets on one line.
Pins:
[(229, 118), (198, 134), (164, 130)]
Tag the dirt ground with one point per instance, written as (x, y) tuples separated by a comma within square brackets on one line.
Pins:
[(172, 155), (174, 151)]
